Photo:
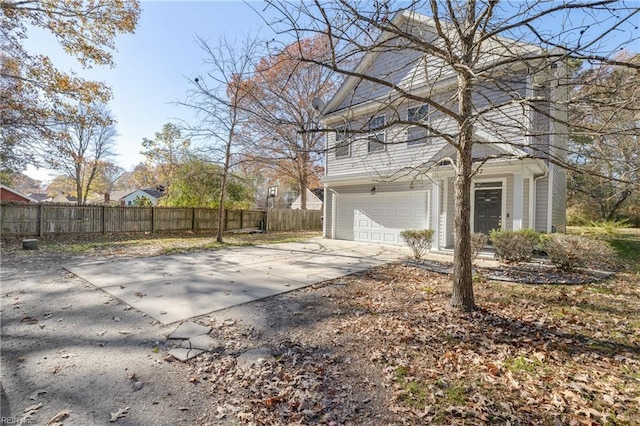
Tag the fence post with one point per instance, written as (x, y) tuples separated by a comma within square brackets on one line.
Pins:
[(153, 220), (193, 219), (241, 224), (266, 221), (40, 220), (226, 220), (104, 218)]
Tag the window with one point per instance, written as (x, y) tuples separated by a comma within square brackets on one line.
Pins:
[(376, 137), (417, 135), (342, 143)]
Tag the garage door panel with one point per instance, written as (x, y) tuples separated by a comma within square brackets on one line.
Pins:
[(375, 236), (381, 217)]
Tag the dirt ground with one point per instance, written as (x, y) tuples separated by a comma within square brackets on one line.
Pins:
[(376, 348)]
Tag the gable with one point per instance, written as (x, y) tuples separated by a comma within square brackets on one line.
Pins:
[(393, 60), (10, 194)]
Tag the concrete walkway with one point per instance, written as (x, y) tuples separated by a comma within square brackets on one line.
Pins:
[(177, 287)]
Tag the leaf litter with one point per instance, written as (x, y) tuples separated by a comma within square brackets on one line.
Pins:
[(383, 347)]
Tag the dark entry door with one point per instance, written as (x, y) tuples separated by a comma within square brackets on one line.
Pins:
[(488, 209)]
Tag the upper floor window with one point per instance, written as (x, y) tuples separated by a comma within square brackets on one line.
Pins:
[(376, 137), (417, 135), (342, 143)]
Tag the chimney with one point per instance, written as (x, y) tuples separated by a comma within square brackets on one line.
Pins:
[(107, 197)]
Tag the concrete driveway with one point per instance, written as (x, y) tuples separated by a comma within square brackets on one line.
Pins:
[(176, 287)]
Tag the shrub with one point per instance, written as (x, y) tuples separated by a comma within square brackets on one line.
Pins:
[(514, 246), (567, 252), (418, 240), (478, 242)]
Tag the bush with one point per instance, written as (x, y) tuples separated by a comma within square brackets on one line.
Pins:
[(514, 246), (418, 240), (478, 242), (568, 252)]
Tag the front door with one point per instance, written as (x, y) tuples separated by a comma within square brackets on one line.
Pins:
[(488, 210)]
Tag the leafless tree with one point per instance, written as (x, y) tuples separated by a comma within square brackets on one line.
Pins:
[(217, 98), (473, 53)]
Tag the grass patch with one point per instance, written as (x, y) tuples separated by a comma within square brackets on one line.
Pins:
[(627, 247), (521, 364), (455, 394), (413, 393), (625, 241)]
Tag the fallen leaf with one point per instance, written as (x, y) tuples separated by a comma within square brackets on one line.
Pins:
[(33, 407), (58, 417), (119, 414)]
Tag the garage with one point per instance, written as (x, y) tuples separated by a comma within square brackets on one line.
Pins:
[(379, 217)]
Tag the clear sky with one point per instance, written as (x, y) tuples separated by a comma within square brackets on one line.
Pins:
[(153, 65)]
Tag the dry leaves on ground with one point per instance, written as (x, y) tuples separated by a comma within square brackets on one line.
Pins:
[(384, 347)]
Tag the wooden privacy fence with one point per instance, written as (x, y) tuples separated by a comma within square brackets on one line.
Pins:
[(47, 219)]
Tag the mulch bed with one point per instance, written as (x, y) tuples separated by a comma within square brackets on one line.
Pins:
[(523, 273)]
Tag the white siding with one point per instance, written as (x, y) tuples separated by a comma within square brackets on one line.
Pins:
[(503, 124), (449, 204), (559, 199), (396, 155), (541, 204), (328, 213)]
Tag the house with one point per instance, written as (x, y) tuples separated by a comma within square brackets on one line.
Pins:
[(60, 198), (315, 198), (113, 198), (153, 195), (11, 195), (384, 174), (40, 197)]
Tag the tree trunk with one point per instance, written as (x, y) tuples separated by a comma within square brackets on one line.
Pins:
[(78, 179), (462, 296), (223, 189), (225, 177)]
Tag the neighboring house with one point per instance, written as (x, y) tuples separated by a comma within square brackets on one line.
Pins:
[(113, 198), (381, 179), (60, 198), (11, 195), (153, 195), (40, 197), (315, 198)]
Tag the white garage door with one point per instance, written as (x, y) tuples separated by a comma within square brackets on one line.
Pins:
[(379, 218)]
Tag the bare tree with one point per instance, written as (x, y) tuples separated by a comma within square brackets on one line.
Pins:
[(217, 98), (87, 144), (474, 54)]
